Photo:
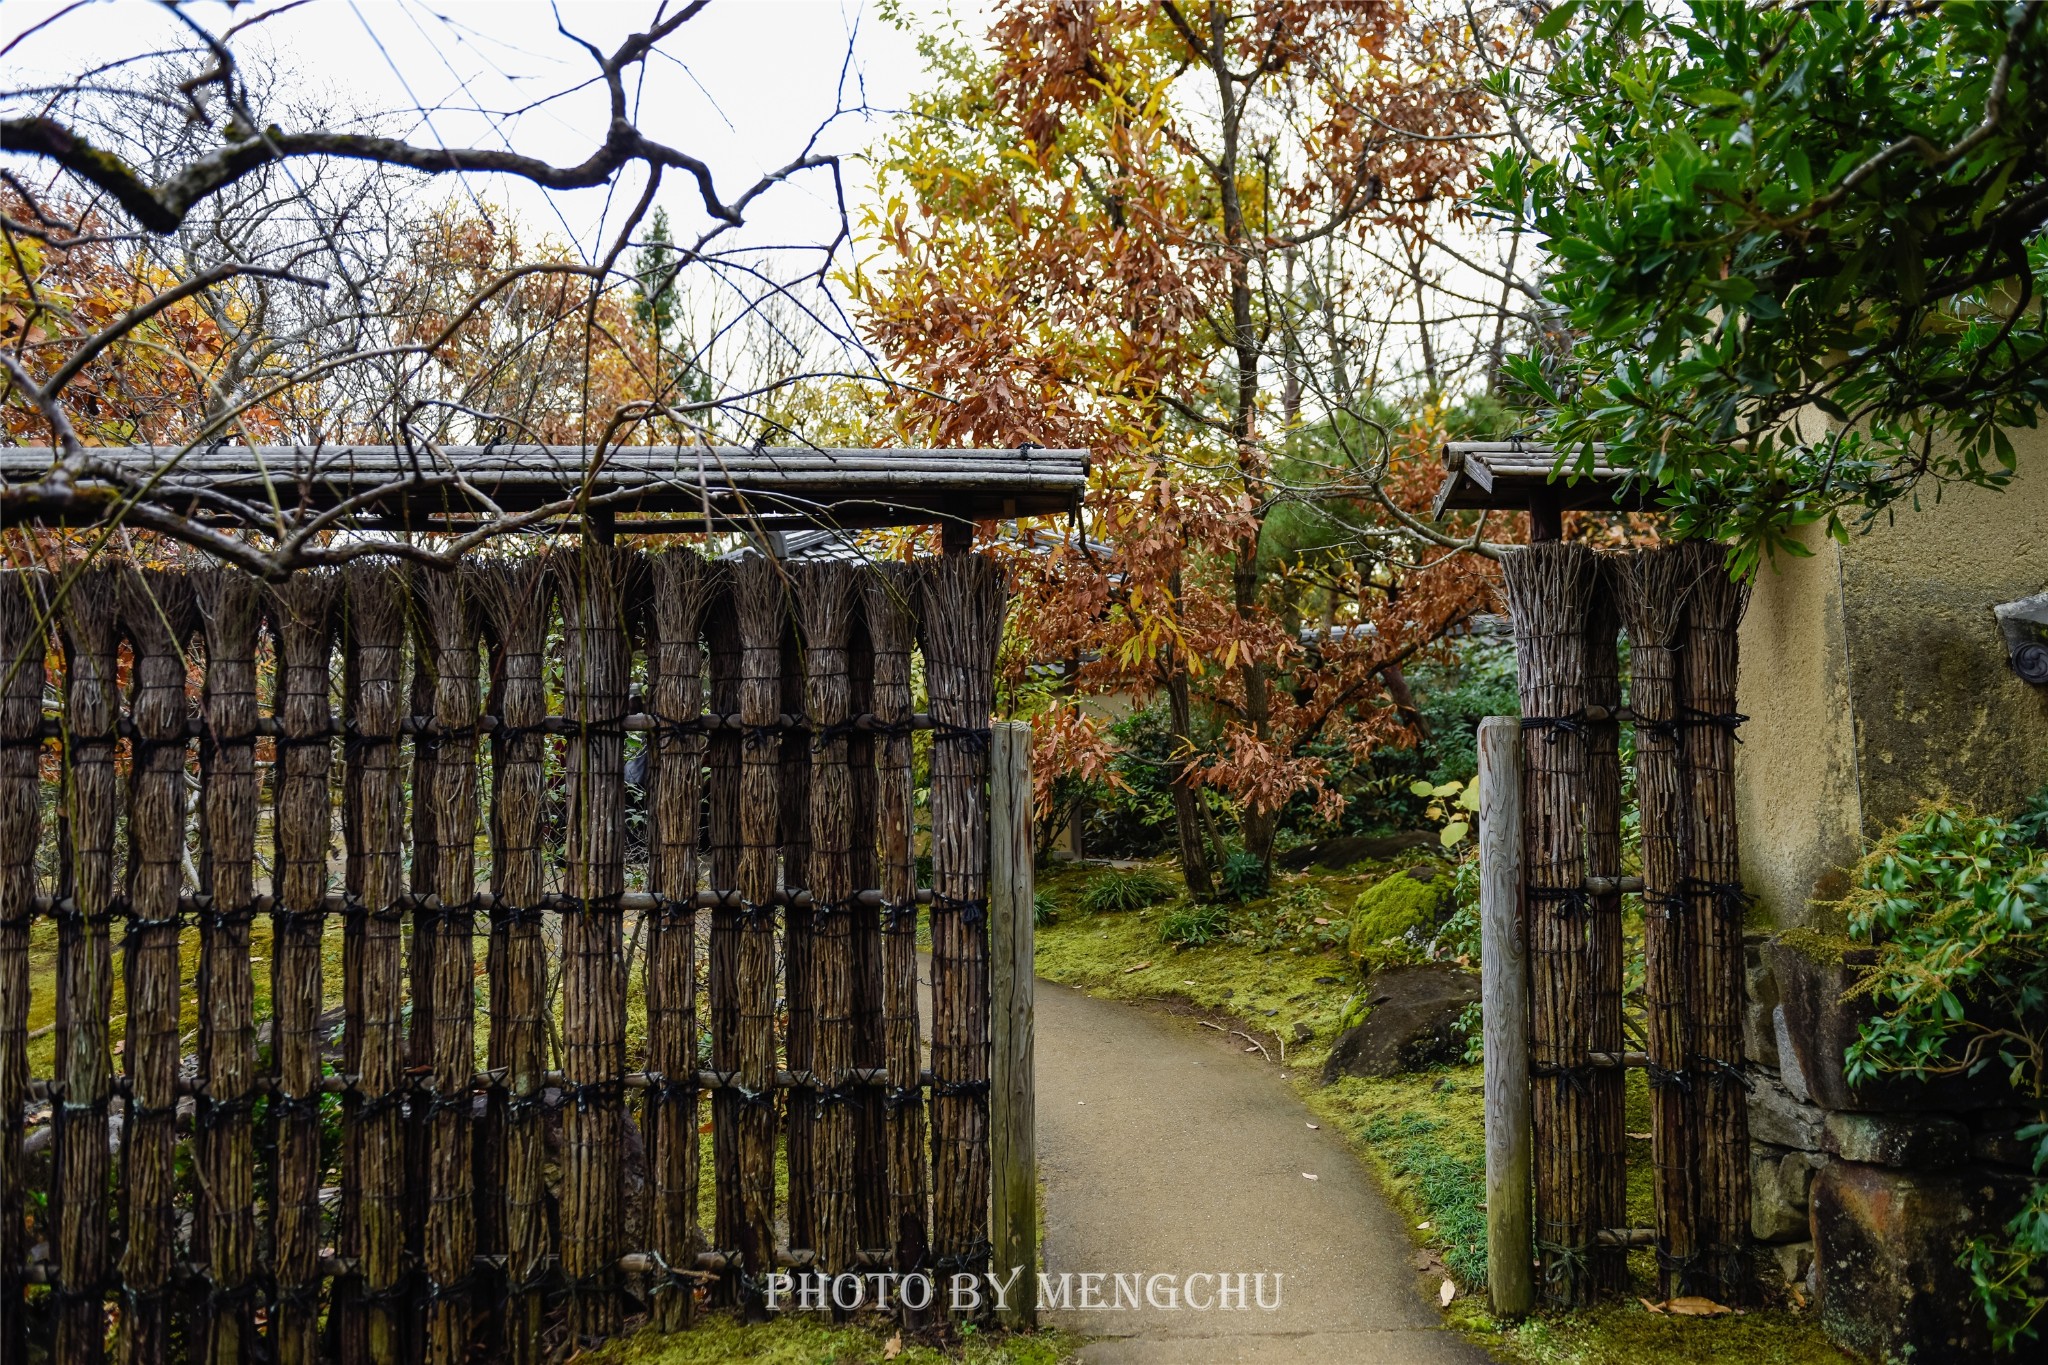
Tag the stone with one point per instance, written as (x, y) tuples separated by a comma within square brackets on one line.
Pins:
[(1814, 974), (1779, 1182), (1342, 851), (1759, 1036), (1788, 1057), (1887, 1246), (1390, 910), (1899, 1141), (1777, 1118), (1794, 1260), (1410, 1023)]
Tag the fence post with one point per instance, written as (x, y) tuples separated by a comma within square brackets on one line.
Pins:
[(1013, 1215), (1504, 987)]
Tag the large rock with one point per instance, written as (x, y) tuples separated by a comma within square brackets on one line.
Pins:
[(1779, 1182), (1776, 1117), (1901, 1141), (1410, 1023), (1760, 999), (1814, 974), (1340, 852), (1389, 910), (1887, 1245)]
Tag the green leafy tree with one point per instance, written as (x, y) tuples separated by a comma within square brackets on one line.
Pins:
[(1797, 248)]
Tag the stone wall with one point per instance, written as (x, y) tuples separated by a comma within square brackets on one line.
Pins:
[(1874, 679), (1867, 1195)]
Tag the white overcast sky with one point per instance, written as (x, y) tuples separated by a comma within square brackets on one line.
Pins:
[(742, 86)]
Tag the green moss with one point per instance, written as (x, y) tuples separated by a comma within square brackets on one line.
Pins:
[(1387, 911), (795, 1340), (1625, 1334)]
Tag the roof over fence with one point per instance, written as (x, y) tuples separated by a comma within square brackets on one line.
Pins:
[(453, 487), (1523, 476)]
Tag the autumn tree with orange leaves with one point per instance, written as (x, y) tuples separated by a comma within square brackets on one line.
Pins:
[(1150, 229)]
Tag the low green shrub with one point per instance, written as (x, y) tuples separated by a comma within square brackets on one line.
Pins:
[(1957, 904), (1194, 926), (1044, 909), (1117, 889), (1243, 876)]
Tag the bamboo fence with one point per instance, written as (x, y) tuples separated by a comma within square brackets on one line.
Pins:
[(427, 1149), (1681, 611)]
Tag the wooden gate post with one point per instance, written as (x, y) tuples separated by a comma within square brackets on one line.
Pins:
[(1504, 1005), (1013, 1187)]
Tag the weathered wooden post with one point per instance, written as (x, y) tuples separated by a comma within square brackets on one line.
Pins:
[(1504, 988), (1013, 1214)]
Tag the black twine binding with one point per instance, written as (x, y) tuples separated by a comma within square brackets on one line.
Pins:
[(1557, 726)]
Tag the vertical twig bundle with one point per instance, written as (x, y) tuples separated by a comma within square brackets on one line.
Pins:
[(1605, 949), (757, 591), (800, 1045), (89, 614), (157, 617), (961, 623), (448, 667), (1654, 588), (1549, 590), (302, 617), (24, 637), (230, 606), (722, 848), (889, 602), (682, 584), (871, 1146), (595, 581), (515, 595), (825, 604), (1714, 887), (373, 1213)]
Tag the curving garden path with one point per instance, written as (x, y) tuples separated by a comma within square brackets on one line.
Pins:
[(1163, 1149)]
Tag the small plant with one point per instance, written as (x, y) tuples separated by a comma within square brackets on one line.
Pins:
[(1194, 926), (1044, 909), (1119, 889), (1451, 805), (1243, 876), (1299, 917)]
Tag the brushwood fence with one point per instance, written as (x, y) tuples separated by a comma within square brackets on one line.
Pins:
[(387, 1012), (1558, 1037)]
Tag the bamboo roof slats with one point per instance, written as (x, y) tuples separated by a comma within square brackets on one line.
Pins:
[(23, 648), (789, 486), (301, 611), (962, 601), (1654, 587), (374, 1176), (230, 609), (681, 583), (889, 602), (1512, 475), (157, 618), (1549, 587), (88, 615), (1713, 882)]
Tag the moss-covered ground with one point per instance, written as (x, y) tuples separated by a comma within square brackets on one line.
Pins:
[(1421, 1134), (792, 1340)]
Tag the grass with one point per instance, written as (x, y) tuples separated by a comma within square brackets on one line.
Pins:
[(1422, 1135), (805, 1340)]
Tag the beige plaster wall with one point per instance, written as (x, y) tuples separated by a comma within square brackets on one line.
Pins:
[(1875, 678)]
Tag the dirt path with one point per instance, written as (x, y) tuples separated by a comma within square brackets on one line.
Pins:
[(1165, 1150)]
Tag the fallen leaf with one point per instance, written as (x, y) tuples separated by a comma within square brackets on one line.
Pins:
[(1692, 1306), (1653, 1307), (1446, 1292), (1321, 920), (1305, 1175), (893, 1347), (1185, 982), (1422, 1227), (1637, 1137), (1139, 968), (1315, 1125)]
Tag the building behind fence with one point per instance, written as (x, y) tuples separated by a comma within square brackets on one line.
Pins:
[(470, 1115)]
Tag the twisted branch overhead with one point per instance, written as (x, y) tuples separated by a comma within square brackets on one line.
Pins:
[(162, 205)]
